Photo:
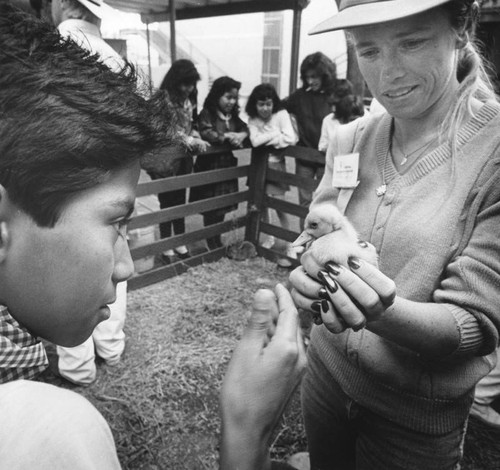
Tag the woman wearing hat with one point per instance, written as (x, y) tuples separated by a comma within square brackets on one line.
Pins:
[(396, 394)]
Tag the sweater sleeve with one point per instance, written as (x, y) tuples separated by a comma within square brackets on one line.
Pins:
[(286, 135), (471, 284), (260, 135), (324, 137), (208, 130)]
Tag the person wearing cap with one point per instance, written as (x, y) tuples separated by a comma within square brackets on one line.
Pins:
[(80, 21), (397, 393)]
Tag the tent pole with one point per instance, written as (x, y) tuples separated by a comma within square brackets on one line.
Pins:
[(294, 62), (148, 38), (173, 48)]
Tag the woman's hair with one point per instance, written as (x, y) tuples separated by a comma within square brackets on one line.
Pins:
[(471, 68), (262, 92), (323, 67), (221, 86), (182, 72), (349, 108)]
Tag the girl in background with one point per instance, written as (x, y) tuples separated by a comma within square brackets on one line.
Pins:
[(270, 124), (219, 124), (179, 86), (346, 107), (309, 104)]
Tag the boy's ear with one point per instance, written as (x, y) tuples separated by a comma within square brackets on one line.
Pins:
[(4, 229)]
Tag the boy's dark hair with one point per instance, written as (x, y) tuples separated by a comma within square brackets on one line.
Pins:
[(324, 68), (349, 108), (182, 72), (262, 92), (66, 120), (220, 86)]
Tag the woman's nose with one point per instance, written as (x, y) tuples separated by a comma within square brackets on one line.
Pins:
[(391, 66)]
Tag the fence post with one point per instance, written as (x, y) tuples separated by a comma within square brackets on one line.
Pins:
[(256, 183)]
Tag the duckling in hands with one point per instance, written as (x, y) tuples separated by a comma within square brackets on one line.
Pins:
[(331, 237)]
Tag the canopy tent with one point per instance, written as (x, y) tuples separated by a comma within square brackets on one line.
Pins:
[(158, 10), (171, 10)]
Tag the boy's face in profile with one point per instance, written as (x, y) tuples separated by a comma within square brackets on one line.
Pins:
[(57, 281)]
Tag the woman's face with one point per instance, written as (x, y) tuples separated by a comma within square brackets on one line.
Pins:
[(264, 108), (186, 89), (228, 100), (410, 65), (313, 80)]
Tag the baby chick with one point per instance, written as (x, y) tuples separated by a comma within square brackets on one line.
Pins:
[(332, 237)]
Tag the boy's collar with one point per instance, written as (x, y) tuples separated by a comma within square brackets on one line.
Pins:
[(22, 356)]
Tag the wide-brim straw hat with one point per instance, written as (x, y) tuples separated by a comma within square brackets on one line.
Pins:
[(354, 13)]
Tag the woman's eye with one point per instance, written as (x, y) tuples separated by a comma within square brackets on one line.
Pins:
[(368, 53), (413, 44)]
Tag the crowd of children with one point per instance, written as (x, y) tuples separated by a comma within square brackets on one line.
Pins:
[(308, 117)]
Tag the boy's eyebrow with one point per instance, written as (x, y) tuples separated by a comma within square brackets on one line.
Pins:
[(124, 204)]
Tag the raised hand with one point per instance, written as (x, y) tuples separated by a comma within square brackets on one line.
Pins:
[(264, 370)]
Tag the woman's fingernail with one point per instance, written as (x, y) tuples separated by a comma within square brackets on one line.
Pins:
[(353, 262), (316, 306), (321, 275), (330, 284), (324, 306), (333, 268), (323, 294), (362, 244)]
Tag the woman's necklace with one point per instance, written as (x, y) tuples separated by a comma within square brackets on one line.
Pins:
[(422, 149), (382, 189)]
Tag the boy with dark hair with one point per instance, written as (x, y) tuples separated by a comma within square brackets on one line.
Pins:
[(71, 136), (80, 21)]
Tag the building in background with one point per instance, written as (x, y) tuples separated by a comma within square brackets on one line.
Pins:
[(250, 48)]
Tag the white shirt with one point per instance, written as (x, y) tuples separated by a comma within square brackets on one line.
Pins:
[(328, 130)]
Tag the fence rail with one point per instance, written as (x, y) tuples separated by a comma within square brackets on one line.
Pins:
[(256, 174)]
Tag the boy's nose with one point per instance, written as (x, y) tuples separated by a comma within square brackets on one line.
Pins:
[(124, 265)]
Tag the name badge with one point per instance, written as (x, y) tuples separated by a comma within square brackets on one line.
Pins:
[(345, 170)]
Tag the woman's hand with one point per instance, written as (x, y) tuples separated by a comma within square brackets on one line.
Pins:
[(264, 370), (348, 297), (198, 145), (236, 138)]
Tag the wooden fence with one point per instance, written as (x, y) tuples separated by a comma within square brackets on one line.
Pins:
[(256, 174)]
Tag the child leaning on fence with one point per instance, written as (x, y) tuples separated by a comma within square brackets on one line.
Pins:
[(180, 89), (219, 124), (270, 124)]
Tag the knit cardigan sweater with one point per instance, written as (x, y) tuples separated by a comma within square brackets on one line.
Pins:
[(436, 230)]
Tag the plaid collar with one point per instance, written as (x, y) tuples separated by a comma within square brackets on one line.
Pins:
[(22, 356)]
